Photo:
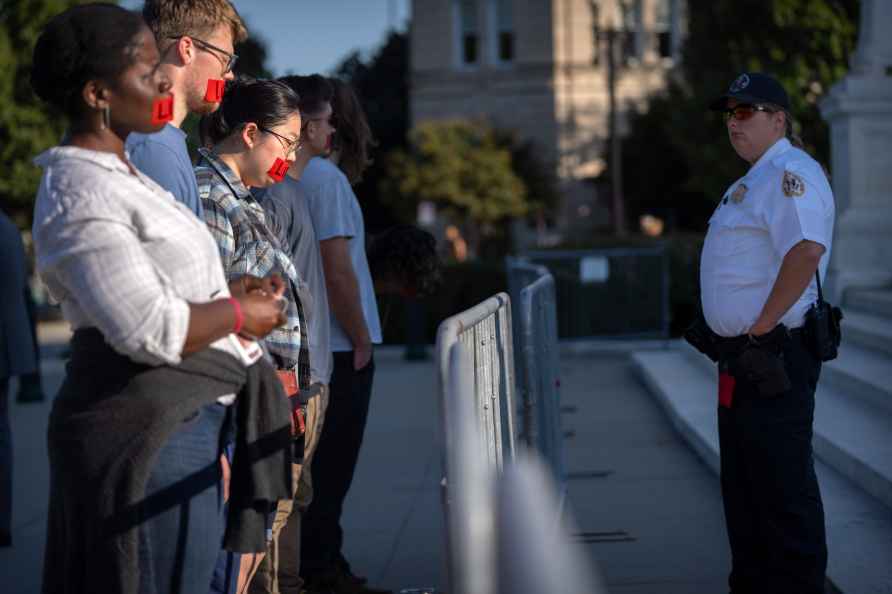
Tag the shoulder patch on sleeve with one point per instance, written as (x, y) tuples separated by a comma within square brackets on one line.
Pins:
[(793, 185)]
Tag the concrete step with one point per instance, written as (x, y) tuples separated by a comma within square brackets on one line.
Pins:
[(868, 331), (850, 433), (852, 436), (862, 374), (859, 525), (872, 301)]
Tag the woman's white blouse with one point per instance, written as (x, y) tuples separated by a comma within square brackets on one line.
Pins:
[(120, 254)]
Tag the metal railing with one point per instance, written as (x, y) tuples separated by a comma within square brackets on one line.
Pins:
[(540, 385), (486, 330), (476, 373), (535, 554), (504, 516), (609, 292), (467, 487)]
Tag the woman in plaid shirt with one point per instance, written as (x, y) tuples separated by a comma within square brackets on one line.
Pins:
[(253, 139)]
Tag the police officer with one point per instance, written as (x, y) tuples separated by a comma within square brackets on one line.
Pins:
[(769, 235)]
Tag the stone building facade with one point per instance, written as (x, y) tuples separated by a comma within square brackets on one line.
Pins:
[(540, 67)]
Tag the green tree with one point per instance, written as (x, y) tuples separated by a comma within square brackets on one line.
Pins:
[(252, 57), (27, 125), (676, 158), (462, 168), (382, 83)]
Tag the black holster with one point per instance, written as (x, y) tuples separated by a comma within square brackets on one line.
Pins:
[(756, 360), (760, 362), (701, 337)]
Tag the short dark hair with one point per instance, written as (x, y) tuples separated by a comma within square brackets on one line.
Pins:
[(267, 103), (407, 256), (87, 42), (314, 90)]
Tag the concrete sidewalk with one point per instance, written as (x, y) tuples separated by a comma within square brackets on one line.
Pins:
[(651, 510)]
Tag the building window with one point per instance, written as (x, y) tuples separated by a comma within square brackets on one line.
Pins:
[(597, 34), (468, 32), (632, 41), (664, 31), (502, 18)]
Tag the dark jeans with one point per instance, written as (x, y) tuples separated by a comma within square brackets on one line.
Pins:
[(180, 540), (5, 460), (225, 578), (772, 502), (334, 464)]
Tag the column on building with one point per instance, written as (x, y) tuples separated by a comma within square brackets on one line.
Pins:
[(859, 110)]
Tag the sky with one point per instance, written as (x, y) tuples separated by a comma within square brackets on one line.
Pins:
[(308, 36)]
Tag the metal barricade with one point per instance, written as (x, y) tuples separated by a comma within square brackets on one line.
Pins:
[(486, 330), (535, 554), (610, 292), (476, 373), (468, 484), (540, 385), (521, 273)]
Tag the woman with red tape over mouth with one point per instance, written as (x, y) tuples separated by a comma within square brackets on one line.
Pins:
[(250, 142), (155, 344)]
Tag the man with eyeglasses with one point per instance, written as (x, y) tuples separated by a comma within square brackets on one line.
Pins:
[(770, 233), (196, 39)]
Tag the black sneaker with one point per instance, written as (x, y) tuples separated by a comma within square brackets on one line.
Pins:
[(343, 566)]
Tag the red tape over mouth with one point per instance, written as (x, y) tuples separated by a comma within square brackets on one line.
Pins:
[(278, 170), (162, 110), (214, 92)]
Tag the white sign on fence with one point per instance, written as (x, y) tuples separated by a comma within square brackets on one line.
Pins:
[(594, 269)]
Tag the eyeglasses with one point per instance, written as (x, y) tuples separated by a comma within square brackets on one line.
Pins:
[(230, 58), (745, 111), (290, 146)]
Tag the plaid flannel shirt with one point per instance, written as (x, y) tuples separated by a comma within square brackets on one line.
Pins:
[(248, 245)]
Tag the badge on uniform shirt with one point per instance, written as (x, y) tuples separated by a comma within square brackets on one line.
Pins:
[(739, 193), (793, 185)]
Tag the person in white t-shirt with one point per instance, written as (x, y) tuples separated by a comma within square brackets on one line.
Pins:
[(770, 234), (355, 327)]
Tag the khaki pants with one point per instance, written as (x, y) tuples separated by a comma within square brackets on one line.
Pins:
[(279, 571)]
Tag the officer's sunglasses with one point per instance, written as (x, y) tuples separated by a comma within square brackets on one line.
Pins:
[(745, 111), (228, 59)]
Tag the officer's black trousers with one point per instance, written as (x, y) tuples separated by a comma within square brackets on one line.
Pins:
[(773, 506)]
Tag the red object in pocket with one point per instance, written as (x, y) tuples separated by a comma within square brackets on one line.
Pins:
[(278, 170), (214, 91), (726, 389), (162, 110)]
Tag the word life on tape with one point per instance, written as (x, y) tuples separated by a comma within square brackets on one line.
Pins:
[(214, 92), (162, 110), (278, 170)]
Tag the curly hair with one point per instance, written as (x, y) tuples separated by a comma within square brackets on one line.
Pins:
[(406, 256), (83, 43)]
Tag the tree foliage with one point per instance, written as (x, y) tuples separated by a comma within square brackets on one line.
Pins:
[(676, 158), (459, 166), (382, 83), (27, 125)]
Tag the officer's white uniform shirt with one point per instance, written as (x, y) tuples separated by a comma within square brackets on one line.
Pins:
[(783, 199)]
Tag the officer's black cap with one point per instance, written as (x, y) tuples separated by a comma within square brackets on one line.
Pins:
[(753, 87)]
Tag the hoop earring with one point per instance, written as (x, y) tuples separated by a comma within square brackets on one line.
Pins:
[(106, 117)]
